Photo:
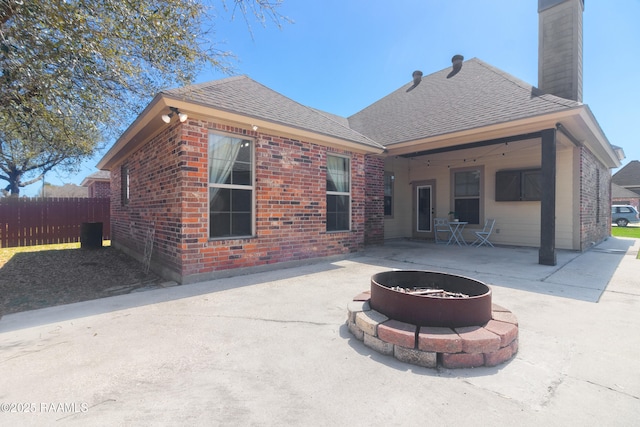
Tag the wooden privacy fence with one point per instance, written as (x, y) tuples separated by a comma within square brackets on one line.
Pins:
[(38, 221)]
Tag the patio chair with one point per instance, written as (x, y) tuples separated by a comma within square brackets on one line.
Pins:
[(441, 225), (484, 234)]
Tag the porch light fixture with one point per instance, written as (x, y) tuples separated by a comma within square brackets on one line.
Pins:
[(174, 111)]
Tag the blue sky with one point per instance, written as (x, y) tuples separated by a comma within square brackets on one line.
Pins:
[(342, 55)]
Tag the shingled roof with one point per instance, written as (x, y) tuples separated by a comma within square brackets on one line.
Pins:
[(618, 192), (479, 95), (96, 176), (628, 175), (251, 99)]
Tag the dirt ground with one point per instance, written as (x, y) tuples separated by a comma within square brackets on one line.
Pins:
[(33, 280)]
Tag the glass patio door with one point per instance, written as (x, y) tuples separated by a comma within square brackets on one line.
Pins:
[(424, 208)]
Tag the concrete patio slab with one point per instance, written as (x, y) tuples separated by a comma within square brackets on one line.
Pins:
[(273, 349)]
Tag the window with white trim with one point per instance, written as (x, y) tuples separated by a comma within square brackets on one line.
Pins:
[(231, 187), (338, 193)]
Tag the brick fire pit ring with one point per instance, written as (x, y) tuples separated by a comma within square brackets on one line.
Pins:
[(489, 341)]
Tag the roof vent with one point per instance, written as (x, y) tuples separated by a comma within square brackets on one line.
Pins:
[(457, 65), (417, 78)]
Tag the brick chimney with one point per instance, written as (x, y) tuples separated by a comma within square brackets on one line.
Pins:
[(560, 48)]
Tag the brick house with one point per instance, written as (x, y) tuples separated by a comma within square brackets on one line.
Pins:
[(250, 179), (622, 196), (98, 184), (242, 177)]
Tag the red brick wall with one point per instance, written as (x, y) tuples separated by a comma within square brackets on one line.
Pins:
[(595, 200), (374, 222), (154, 200), (100, 189), (169, 188)]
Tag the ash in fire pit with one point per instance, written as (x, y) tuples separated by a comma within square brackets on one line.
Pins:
[(432, 292)]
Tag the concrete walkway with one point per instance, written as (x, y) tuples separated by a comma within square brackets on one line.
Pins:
[(273, 349)]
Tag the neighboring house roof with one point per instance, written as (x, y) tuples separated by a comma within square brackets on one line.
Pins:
[(251, 99), (104, 176), (618, 192), (628, 175), (479, 95)]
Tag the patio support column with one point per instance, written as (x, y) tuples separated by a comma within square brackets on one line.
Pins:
[(547, 252)]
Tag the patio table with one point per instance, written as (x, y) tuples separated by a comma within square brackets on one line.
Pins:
[(456, 232)]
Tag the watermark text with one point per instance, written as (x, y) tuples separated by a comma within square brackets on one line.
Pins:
[(44, 407)]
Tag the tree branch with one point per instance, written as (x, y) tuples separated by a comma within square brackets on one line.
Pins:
[(6, 11), (31, 181)]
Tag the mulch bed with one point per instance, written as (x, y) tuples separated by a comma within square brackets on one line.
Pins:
[(34, 280)]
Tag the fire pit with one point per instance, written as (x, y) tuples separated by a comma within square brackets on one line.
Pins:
[(428, 318), (427, 298)]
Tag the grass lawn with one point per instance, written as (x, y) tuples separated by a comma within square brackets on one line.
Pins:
[(629, 231), (50, 275)]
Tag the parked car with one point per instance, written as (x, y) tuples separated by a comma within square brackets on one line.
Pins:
[(622, 215)]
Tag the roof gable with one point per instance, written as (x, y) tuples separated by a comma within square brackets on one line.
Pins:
[(103, 176), (479, 95), (628, 175), (242, 95), (618, 192)]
